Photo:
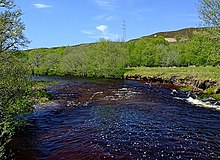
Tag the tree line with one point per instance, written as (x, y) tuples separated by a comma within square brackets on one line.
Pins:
[(109, 59), (102, 59), (200, 49)]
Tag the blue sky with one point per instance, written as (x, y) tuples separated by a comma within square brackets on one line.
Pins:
[(51, 23)]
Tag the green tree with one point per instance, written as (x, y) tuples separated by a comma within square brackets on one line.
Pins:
[(35, 58), (11, 27), (73, 61), (50, 64), (209, 12), (107, 59), (14, 88), (145, 52)]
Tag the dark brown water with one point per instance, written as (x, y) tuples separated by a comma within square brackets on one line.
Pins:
[(108, 119)]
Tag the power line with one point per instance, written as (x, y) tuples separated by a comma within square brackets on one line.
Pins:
[(124, 31)]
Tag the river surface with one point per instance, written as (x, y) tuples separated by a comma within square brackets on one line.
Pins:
[(117, 119)]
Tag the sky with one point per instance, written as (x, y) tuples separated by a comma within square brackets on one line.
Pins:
[(51, 23)]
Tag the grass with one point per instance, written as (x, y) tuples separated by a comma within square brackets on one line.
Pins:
[(200, 73), (40, 94)]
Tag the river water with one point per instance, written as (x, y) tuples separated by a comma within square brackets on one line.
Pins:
[(117, 119)]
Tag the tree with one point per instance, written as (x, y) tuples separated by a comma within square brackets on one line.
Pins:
[(11, 27), (34, 60), (145, 51), (51, 63), (209, 12), (107, 59), (14, 88), (6, 3), (74, 60)]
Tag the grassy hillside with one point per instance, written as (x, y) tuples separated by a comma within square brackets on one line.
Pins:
[(172, 34)]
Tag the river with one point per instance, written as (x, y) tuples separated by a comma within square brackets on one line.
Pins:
[(117, 119)]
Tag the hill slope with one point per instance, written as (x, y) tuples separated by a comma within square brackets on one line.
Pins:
[(170, 35)]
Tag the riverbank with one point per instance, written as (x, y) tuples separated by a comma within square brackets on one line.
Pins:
[(201, 80)]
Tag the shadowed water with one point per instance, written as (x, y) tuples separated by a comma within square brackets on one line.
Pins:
[(113, 119)]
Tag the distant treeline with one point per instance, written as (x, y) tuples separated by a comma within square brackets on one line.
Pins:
[(109, 59)]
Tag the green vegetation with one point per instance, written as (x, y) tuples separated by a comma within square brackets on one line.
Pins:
[(209, 11), (16, 93), (40, 94), (214, 91), (200, 49), (196, 54), (193, 47), (14, 97), (17, 96), (102, 59), (15, 89), (11, 27), (109, 59), (200, 73)]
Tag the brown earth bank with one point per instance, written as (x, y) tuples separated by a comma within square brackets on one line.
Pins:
[(176, 82)]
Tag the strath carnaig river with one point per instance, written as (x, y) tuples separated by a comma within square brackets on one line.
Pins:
[(117, 119)]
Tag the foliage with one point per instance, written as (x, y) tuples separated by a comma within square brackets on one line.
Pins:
[(14, 87), (102, 59), (216, 96), (212, 92), (11, 27), (209, 11), (106, 59), (44, 61), (145, 51), (74, 62), (202, 49), (15, 92), (40, 93)]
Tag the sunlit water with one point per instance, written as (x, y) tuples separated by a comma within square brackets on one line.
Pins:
[(108, 119)]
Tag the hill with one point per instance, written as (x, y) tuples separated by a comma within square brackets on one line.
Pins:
[(170, 36)]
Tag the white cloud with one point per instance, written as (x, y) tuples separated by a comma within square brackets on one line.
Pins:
[(102, 31), (41, 6), (102, 28)]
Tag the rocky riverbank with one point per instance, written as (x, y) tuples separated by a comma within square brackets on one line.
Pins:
[(189, 83)]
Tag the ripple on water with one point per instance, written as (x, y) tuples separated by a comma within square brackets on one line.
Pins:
[(122, 120)]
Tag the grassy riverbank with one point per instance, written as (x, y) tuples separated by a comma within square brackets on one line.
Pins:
[(201, 73), (207, 73)]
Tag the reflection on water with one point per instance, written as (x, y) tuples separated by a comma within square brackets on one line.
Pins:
[(118, 120)]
